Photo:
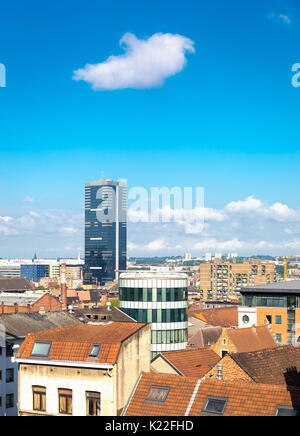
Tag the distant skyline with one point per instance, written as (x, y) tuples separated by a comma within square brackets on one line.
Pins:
[(175, 93)]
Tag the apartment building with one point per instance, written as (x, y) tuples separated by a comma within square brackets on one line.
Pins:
[(13, 330), (225, 280), (275, 304), (83, 369)]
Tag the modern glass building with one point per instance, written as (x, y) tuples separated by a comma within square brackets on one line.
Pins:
[(34, 272), (105, 231), (159, 298)]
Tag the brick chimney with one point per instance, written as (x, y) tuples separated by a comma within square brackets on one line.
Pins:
[(63, 286), (103, 300)]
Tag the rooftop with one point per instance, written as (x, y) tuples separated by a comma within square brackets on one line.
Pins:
[(252, 339), (73, 343), (17, 284), (170, 395), (289, 287), (18, 325), (280, 365), (194, 362), (219, 317)]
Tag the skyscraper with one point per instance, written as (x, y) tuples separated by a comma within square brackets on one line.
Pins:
[(105, 231)]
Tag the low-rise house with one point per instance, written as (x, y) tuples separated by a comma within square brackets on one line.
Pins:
[(194, 362), (84, 369), (244, 340), (13, 330), (204, 337), (277, 366), (218, 317), (170, 395)]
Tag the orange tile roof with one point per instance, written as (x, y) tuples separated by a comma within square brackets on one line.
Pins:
[(246, 399), (252, 339), (188, 396), (74, 343), (223, 317), (181, 390), (194, 362)]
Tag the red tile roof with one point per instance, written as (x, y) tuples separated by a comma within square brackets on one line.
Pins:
[(223, 317), (181, 390), (252, 339), (187, 396), (194, 362), (245, 399), (74, 343)]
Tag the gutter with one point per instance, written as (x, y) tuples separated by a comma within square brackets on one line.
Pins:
[(75, 364)]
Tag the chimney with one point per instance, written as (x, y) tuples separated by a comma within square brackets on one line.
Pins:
[(63, 286), (103, 300), (219, 375)]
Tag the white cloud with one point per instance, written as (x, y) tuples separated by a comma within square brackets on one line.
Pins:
[(284, 18), (29, 200), (147, 63)]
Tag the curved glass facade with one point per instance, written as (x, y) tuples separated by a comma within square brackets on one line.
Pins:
[(160, 299)]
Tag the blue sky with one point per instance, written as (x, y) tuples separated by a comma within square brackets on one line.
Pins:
[(228, 121)]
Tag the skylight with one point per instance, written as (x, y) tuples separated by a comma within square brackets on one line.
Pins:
[(95, 350), (157, 394), (215, 406), (41, 349), (285, 411)]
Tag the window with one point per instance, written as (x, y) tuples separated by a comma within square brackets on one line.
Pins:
[(65, 401), (223, 353), (285, 411), (39, 398), (9, 375), (93, 404), (9, 349), (41, 349), (246, 319), (215, 406), (224, 341), (95, 350), (278, 319), (9, 401), (278, 337), (269, 318), (157, 394)]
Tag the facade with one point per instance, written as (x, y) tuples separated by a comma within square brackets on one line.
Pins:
[(83, 369), (225, 280), (34, 272), (159, 298), (13, 329), (276, 304), (105, 231), (10, 271)]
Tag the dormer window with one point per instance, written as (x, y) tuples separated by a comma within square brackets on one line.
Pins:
[(157, 394), (41, 349), (95, 350)]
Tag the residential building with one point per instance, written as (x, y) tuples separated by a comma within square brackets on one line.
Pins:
[(83, 369), (219, 317), (225, 280), (170, 395), (105, 231), (277, 366), (277, 304), (194, 362), (205, 337), (244, 340), (13, 330), (159, 298)]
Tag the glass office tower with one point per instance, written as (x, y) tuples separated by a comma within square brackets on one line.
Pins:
[(159, 298), (105, 231)]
